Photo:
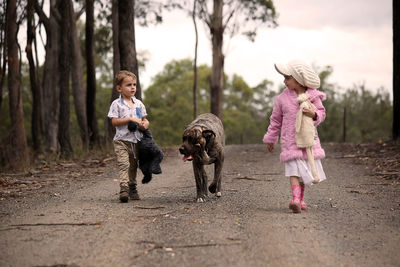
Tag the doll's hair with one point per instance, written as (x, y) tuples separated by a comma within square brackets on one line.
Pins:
[(119, 78)]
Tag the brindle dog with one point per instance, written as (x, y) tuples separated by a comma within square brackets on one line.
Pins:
[(203, 143)]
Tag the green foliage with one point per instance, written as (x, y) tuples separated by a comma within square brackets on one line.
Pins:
[(169, 100), (247, 110), (368, 117), (244, 111), (169, 104)]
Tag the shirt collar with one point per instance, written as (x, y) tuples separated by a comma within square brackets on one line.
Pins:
[(121, 99)]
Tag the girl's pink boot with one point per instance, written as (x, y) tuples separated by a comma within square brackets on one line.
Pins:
[(295, 204), (303, 205)]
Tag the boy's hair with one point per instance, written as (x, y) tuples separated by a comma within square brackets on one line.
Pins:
[(122, 75)]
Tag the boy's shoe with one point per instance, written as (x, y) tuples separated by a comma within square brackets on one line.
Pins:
[(133, 193), (303, 205), (295, 206), (123, 194)]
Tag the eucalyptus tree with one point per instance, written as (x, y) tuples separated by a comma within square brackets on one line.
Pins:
[(91, 74), (77, 81), (36, 89), (228, 17), (3, 53), (65, 72), (396, 70), (19, 156), (51, 72), (52, 69)]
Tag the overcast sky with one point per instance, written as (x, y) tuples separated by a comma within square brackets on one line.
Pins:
[(352, 36)]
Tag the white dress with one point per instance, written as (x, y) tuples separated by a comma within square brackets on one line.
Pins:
[(302, 169)]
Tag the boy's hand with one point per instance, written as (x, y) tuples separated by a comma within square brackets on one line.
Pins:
[(137, 120), (144, 124), (270, 147)]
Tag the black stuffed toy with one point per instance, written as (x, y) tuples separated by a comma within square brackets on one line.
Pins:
[(150, 155)]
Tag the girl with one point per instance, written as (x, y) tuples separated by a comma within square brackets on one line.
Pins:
[(299, 78)]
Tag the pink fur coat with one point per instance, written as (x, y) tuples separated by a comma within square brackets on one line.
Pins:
[(283, 122)]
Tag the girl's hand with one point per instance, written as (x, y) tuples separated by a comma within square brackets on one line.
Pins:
[(270, 147), (309, 112)]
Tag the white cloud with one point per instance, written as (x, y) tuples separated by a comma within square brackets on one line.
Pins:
[(351, 14)]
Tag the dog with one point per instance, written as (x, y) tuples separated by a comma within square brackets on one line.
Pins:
[(203, 144)]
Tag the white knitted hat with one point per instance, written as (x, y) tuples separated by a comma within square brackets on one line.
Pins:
[(301, 72)]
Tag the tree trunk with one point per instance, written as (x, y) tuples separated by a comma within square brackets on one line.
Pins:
[(51, 74), (78, 89), (20, 156), (217, 74), (65, 63), (195, 61), (91, 75), (396, 70), (126, 40), (36, 121), (110, 130), (344, 125), (3, 58)]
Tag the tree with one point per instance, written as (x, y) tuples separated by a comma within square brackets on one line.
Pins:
[(396, 71), (195, 60), (230, 16), (36, 126), (3, 46), (91, 75), (19, 157), (127, 41), (65, 71), (110, 130), (78, 87), (51, 73)]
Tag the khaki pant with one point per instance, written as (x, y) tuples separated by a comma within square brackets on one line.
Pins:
[(127, 159)]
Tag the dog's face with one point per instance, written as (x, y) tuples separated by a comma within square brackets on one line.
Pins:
[(194, 142)]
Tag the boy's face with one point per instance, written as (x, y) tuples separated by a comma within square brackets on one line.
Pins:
[(127, 88)]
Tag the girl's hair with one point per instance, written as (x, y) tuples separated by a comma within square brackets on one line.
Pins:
[(122, 75)]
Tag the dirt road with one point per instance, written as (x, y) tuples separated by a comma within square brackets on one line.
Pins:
[(75, 219)]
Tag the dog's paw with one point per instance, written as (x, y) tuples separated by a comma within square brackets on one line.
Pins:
[(212, 188), (218, 194), (200, 200)]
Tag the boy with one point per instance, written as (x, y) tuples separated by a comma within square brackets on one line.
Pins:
[(124, 109)]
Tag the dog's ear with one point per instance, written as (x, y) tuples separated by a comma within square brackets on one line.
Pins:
[(208, 134)]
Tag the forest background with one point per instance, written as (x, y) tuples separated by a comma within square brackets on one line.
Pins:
[(63, 103)]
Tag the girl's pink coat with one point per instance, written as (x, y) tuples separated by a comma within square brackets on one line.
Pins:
[(283, 120)]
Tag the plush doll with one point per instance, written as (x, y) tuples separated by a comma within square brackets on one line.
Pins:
[(150, 155), (306, 132)]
